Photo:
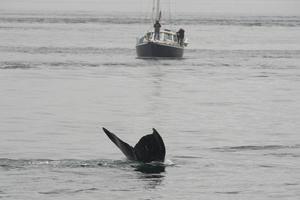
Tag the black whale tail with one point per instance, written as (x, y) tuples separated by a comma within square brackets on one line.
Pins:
[(149, 148), (123, 146)]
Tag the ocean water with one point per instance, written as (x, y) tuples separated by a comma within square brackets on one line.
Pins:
[(229, 111)]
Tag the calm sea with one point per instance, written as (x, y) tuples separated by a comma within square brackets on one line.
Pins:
[(229, 111)]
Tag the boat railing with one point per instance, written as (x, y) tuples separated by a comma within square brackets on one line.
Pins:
[(166, 37)]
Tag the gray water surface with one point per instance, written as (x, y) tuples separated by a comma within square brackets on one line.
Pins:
[(229, 111)]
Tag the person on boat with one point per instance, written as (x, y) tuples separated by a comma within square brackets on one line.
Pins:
[(156, 30), (180, 36)]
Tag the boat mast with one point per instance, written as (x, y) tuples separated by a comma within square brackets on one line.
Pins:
[(158, 12)]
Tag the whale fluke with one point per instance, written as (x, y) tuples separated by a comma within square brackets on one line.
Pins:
[(123, 146), (149, 148)]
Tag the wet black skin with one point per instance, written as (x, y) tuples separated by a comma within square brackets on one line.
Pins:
[(149, 148)]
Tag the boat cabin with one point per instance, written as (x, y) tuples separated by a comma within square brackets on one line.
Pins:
[(166, 36)]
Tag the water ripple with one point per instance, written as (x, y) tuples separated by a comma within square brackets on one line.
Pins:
[(68, 191), (288, 21), (15, 65), (63, 50), (229, 192), (255, 148), (148, 168)]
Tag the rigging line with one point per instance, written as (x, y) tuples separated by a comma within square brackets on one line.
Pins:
[(145, 11), (153, 10), (139, 15), (148, 16), (174, 13), (170, 15), (152, 15)]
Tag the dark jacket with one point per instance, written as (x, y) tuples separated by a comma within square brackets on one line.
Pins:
[(157, 26)]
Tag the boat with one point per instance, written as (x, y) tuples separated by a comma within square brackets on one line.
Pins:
[(161, 43)]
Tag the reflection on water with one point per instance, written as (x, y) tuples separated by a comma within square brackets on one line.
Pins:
[(152, 174), (151, 181), (149, 168)]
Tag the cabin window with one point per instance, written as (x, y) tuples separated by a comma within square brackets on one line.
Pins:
[(175, 38), (148, 36), (168, 37), (141, 40)]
